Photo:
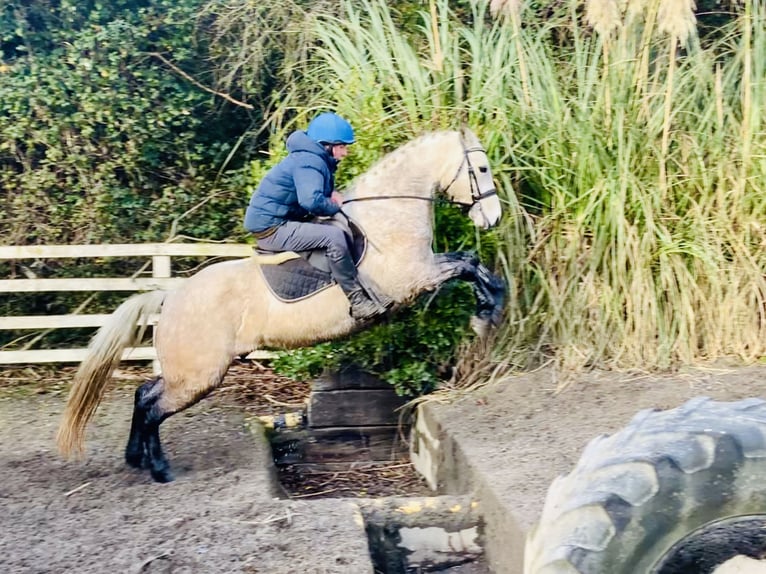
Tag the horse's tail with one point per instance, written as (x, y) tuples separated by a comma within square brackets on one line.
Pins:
[(122, 329)]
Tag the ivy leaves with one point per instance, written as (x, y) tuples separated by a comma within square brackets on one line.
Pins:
[(100, 139)]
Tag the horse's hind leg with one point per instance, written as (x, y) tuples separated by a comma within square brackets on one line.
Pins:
[(134, 451), (158, 463), (135, 454), (155, 401), (144, 449)]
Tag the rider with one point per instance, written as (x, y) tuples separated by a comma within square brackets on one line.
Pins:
[(300, 187)]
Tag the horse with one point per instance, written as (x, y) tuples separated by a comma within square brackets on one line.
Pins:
[(227, 310)]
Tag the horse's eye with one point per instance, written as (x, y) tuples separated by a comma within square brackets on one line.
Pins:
[(484, 169)]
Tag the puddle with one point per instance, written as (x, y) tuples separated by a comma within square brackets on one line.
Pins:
[(424, 534)]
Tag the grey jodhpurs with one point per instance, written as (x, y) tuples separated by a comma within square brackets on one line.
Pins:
[(304, 236)]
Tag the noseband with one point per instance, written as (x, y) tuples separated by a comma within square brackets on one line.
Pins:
[(476, 194)]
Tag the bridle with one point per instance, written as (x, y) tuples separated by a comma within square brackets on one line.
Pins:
[(476, 194)]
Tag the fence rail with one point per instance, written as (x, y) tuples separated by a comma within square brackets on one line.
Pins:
[(160, 277)]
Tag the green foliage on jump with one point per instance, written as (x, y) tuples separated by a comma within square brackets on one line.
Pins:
[(414, 351)]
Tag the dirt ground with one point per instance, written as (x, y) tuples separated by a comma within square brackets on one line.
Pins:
[(224, 513), (98, 516), (515, 436)]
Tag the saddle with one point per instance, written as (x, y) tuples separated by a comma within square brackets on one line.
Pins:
[(295, 275)]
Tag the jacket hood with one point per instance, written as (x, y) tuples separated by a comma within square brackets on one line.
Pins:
[(299, 141)]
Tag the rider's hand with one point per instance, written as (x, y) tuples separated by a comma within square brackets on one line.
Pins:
[(337, 198)]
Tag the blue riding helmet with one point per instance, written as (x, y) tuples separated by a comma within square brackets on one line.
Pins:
[(330, 128)]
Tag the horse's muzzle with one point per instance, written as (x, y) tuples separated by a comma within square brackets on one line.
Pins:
[(486, 212)]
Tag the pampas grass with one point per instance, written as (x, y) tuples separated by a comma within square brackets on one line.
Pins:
[(509, 8), (676, 19), (603, 15)]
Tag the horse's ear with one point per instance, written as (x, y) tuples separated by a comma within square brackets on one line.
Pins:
[(469, 138)]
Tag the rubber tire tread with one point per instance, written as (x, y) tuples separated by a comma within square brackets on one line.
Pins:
[(635, 493)]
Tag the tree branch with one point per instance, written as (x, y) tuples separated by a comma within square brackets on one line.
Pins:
[(186, 76)]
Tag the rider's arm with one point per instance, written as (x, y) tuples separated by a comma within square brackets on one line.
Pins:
[(310, 187)]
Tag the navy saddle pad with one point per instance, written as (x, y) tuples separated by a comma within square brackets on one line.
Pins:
[(294, 279)]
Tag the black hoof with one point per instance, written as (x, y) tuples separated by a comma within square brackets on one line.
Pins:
[(162, 475), (135, 459)]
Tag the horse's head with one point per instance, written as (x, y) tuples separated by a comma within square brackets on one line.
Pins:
[(472, 184)]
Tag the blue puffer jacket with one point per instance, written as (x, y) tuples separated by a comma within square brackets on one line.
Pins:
[(299, 185)]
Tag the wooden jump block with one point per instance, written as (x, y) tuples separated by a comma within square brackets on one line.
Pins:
[(353, 398), (348, 379), (354, 408), (332, 445), (351, 417)]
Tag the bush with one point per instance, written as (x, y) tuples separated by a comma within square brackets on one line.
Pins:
[(101, 142)]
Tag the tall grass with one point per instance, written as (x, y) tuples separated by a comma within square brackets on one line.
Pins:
[(638, 155), (652, 201)]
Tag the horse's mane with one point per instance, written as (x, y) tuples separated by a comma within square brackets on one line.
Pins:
[(391, 163)]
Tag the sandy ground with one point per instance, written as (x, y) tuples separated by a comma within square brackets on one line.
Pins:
[(224, 513), (220, 515)]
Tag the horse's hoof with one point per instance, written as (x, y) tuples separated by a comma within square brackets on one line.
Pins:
[(163, 475), (135, 459)]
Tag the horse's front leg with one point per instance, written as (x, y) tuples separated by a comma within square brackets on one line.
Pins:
[(493, 290), (488, 288)]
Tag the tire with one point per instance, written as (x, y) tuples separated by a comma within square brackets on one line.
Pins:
[(650, 497)]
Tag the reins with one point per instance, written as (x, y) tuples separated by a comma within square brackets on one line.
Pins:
[(474, 182), (372, 198)]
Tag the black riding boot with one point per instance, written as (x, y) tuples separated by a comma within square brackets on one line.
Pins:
[(362, 306)]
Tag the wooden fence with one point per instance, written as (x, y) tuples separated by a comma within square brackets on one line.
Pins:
[(159, 278)]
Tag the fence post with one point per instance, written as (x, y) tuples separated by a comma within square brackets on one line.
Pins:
[(160, 269), (161, 266)]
